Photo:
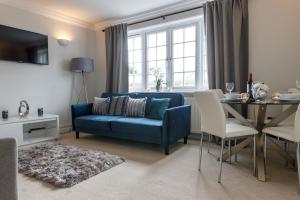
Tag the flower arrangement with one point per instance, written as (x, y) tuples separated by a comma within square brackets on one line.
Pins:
[(260, 90), (158, 79)]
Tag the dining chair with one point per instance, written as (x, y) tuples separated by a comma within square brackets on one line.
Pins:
[(221, 94), (289, 133), (290, 120), (213, 122)]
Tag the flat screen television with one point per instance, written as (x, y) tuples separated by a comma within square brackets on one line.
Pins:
[(23, 46)]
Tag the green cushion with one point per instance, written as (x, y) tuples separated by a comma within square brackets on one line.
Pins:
[(158, 108)]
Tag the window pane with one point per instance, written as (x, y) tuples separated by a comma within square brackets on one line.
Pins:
[(138, 68), (137, 43), (151, 41), (178, 65), (151, 66), (161, 39), (130, 57), (161, 53), (161, 65), (189, 64), (178, 36), (189, 49), (131, 70), (178, 80), (138, 81), (178, 51), (130, 81), (137, 56), (130, 44), (190, 34), (151, 81), (189, 79), (151, 54)]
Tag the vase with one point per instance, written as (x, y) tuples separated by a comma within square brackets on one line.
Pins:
[(158, 88)]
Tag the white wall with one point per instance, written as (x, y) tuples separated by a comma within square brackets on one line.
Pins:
[(53, 87), (275, 43)]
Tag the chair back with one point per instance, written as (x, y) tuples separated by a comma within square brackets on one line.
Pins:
[(219, 92), (297, 125), (212, 114)]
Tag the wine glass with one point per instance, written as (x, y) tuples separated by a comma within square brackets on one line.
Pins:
[(230, 87), (298, 84)]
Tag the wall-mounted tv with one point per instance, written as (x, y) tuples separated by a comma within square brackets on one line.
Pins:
[(23, 46)]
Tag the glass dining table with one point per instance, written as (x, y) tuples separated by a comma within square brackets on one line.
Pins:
[(259, 125)]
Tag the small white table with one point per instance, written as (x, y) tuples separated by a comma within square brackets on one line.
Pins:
[(31, 129)]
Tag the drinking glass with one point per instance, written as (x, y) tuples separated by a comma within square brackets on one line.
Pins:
[(230, 87), (298, 84)]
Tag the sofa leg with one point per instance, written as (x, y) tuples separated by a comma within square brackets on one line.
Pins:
[(185, 140), (77, 135), (167, 150)]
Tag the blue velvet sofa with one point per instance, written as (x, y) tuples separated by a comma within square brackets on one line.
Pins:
[(174, 126)]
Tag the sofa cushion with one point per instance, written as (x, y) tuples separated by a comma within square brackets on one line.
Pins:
[(176, 98), (118, 105), (136, 107), (95, 122), (101, 106), (143, 126), (158, 108)]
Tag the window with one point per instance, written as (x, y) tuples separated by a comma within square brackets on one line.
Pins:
[(135, 62), (173, 53), (184, 57), (156, 57)]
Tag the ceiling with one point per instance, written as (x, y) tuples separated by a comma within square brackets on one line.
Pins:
[(93, 11)]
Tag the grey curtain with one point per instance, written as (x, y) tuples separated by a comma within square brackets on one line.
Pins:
[(226, 23), (116, 58)]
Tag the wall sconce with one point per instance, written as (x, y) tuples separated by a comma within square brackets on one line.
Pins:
[(63, 42)]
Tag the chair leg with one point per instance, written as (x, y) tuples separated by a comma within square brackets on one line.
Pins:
[(286, 150), (254, 155), (229, 150), (265, 148), (235, 153), (77, 135), (200, 152), (208, 145), (298, 165), (221, 160)]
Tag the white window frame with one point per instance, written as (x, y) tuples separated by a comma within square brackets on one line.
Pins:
[(199, 24)]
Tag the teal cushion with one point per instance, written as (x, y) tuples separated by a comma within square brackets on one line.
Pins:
[(158, 108)]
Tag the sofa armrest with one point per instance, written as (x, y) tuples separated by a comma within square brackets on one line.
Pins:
[(176, 124), (80, 110)]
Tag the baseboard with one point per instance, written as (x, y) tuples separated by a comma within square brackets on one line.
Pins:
[(65, 129)]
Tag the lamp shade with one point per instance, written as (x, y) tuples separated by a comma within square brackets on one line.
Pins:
[(82, 65)]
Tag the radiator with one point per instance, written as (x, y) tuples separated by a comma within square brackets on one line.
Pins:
[(195, 118)]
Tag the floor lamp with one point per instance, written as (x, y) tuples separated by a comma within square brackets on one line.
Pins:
[(83, 66)]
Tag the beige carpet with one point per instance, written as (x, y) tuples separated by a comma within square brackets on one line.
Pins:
[(148, 174)]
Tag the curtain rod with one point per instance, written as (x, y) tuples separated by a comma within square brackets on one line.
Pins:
[(163, 16)]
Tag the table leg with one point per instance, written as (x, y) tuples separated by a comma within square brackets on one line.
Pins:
[(281, 152), (261, 167)]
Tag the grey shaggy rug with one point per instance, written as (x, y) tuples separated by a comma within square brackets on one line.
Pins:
[(62, 165)]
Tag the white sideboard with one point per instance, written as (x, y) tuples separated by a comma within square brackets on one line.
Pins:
[(31, 129)]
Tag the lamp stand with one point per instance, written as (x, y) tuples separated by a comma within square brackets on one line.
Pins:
[(84, 88)]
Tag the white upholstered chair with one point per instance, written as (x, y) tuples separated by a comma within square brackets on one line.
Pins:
[(213, 122), (221, 94), (289, 133)]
